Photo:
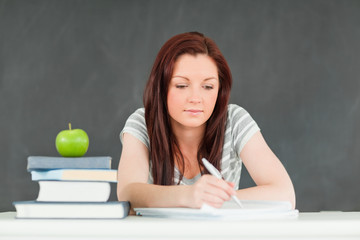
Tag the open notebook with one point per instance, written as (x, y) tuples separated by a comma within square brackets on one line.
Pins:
[(230, 210)]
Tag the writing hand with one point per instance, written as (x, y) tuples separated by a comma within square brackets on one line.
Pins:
[(210, 190)]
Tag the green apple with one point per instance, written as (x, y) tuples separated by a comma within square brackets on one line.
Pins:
[(72, 142)]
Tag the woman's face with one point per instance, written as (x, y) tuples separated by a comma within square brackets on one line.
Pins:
[(193, 91)]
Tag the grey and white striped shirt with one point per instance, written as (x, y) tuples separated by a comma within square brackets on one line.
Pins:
[(240, 127)]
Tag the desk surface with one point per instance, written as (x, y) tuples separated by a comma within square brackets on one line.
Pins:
[(324, 225)]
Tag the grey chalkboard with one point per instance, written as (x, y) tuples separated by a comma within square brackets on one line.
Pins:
[(295, 66)]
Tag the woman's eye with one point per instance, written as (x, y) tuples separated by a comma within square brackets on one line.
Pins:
[(208, 87), (181, 86)]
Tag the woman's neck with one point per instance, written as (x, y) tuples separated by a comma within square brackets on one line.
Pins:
[(189, 141), (189, 138)]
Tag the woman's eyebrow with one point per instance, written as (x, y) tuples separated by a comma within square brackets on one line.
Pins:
[(206, 79), (210, 78), (178, 76)]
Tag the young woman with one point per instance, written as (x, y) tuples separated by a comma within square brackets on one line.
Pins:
[(187, 117)]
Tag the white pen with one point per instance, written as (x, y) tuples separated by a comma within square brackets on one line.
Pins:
[(217, 174)]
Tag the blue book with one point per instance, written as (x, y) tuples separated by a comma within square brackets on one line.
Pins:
[(71, 210), (107, 175), (44, 162)]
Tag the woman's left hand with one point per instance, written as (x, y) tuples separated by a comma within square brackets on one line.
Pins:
[(210, 190)]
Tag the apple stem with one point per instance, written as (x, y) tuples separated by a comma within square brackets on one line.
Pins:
[(69, 126)]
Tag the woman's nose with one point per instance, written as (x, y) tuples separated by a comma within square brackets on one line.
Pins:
[(194, 96)]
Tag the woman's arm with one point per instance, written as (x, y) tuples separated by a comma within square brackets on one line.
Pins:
[(132, 183), (270, 176), (133, 175)]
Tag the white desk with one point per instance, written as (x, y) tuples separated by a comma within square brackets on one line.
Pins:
[(323, 225)]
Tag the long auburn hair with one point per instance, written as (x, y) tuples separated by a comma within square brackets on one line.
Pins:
[(164, 148)]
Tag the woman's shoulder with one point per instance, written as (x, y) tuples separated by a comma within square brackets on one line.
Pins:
[(138, 114), (135, 125), (239, 117), (136, 120), (235, 110), (241, 126), (140, 111)]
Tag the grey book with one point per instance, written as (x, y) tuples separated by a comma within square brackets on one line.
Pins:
[(71, 210), (45, 162)]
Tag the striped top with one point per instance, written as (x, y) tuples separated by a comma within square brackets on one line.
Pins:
[(240, 127)]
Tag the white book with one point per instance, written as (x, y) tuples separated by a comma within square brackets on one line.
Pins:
[(73, 191), (70, 210), (252, 209)]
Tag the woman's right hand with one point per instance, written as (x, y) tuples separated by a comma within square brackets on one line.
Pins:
[(211, 191)]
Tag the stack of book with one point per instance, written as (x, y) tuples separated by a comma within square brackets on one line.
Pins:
[(72, 188)]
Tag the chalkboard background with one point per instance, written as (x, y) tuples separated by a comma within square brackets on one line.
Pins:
[(295, 66)]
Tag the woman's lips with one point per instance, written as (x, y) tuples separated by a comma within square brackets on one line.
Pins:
[(193, 111)]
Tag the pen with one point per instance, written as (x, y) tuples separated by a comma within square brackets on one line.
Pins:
[(217, 174)]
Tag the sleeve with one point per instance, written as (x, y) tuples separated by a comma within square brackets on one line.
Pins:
[(136, 126), (243, 126)]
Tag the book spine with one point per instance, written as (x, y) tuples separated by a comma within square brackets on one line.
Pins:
[(107, 175), (70, 191), (42, 162)]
